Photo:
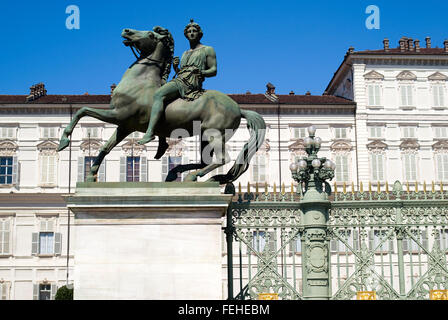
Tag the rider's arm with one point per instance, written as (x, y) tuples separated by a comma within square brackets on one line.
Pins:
[(211, 64)]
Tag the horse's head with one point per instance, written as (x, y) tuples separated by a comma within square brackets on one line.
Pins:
[(146, 42)]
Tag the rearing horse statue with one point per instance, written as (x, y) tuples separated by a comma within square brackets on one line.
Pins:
[(130, 109)]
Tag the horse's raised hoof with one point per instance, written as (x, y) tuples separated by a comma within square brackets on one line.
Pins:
[(146, 139), (63, 144)]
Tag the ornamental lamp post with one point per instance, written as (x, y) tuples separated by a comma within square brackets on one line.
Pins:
[(311, 173)]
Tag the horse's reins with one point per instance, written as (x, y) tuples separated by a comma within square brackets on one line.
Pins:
[(139, 56)]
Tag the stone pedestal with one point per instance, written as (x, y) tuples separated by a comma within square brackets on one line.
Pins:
[(148, 240)]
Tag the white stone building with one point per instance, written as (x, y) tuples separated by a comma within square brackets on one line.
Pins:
[(382, 118)]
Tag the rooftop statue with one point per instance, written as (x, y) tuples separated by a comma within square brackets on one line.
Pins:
[(143, 101)]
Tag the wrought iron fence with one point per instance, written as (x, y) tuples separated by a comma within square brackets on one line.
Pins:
[(393, 243)]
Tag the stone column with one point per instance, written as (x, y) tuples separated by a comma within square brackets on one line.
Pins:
[(148, 240)]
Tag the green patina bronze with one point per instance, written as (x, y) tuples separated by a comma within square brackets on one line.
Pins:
[(143, 101)]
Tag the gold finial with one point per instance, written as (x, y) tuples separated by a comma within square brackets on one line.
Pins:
[(275, 188), (283, 189), (353, 187), (370, 186), (416, 186), (239, 187), (407, 186), (265, 187), (387, 187), (248, 187), (292, 188), (441, 186), (424, 186), (344, 186), (433, 187), (256, 187), (335, 187), (378, 187), (360, 187)]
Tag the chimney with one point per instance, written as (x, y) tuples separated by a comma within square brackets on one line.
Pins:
[(36, 91), (270, 89), (112, 88), (291, 93), (351, 50), (428, 42), (445, 46), (410, 44), (402, 43), (308, 93), (386, 45), (248, 92), (417, 45)]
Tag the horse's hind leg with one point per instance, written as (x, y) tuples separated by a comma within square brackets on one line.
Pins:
[(110, 116), (115, 139), (217, 142)]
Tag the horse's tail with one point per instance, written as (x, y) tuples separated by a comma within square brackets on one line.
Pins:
[(257, 129)]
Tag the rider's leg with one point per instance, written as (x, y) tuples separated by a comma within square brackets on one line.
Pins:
[(167, 91)]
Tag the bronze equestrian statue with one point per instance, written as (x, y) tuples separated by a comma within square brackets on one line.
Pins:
[(177, 105)]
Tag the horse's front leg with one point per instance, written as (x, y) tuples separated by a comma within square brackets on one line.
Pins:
[(111, 116), (115, 139)]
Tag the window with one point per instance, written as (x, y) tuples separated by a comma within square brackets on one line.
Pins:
[(376, 132), (410, 167), (84, 166), (377, 166), (174, 162), (49, 133), (295, 246), (374, 95), (410, 245), (133, 169), (409, 132), (170, 162), (341, 172), (7, 132), (46, 241), (443, 239), (259, 168), (44, 291), (6, 170), (441, 132), (340, 133), (5, 236), (300, 133), (378, 240), (406, 96), (438, 93), (442, 166), (48, 169), (92, 133), (263, 240), (350, 237)]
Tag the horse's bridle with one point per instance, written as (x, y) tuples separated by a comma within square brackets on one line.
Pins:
[(139, 57)]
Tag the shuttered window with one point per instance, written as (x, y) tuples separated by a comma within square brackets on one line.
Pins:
[(374, 94), (133, 169), (406, 96), (438, 93), (6, 170), (441, 132), (376, 132), (92, 133), (377, 166), (7, 132), (48, 169), (342, 169), (442, 166), (299, 133), (46, 241), (340, 133), (259, 168), (409, 132), (410, 167), (49, 132), (5, 236)]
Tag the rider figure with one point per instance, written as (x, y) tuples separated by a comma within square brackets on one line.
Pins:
[(196, 64)]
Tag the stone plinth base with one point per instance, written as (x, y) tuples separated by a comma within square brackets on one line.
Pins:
[(148, 240)]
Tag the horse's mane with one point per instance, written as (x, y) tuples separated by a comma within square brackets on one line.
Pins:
[(168, 41)]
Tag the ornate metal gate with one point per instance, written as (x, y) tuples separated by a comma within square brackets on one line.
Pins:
[(394, 244)]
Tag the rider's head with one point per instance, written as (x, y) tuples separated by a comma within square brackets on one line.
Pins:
[(193, 24)]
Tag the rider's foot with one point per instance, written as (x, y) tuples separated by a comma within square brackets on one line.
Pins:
[(146, 138), (163, 146)]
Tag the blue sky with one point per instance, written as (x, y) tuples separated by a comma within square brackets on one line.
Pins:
[(296, 45)]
